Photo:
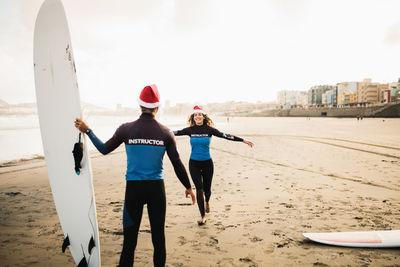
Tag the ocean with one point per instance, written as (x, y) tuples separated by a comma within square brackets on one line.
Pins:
[(20, 135)]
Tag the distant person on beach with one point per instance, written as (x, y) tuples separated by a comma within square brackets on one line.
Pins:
[(201, 166), (146, 142)]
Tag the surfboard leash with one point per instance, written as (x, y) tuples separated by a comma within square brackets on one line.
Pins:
[(78, 155)]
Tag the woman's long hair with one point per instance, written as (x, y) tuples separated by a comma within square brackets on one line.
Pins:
[(207, 120)]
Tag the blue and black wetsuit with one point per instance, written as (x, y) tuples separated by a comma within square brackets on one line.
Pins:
[(146, 142), (201, 166)]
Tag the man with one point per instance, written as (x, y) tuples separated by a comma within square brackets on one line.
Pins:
[(146, 141)]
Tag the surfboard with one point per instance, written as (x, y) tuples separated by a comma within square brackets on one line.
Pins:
[(366, 239), (58, 103)]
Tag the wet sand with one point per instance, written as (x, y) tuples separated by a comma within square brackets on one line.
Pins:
[(315, 175)]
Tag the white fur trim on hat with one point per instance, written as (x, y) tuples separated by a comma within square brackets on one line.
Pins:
[(198, 109), (148, 105)]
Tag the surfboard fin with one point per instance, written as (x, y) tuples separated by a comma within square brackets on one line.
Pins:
[(83, 262), (65, 244), (78, 155), (91, 245)]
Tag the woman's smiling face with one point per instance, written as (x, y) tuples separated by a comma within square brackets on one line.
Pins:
[(198, 118)]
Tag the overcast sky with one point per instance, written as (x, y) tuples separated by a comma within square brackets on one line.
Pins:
[(202, 51)]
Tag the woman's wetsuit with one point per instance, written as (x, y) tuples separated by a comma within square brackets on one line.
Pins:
[(201, 166)]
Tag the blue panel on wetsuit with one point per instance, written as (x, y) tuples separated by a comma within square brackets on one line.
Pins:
[(200, 148), (144, 162), (126, 219)]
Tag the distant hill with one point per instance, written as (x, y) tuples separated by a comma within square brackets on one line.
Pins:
[(17, 109), (3, 103), (87, 108)]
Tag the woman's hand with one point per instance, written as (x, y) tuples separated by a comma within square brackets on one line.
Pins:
[(250, 144), (81, 125), (190, 192)]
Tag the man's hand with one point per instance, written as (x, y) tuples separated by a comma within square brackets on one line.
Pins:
[(190, 192), (81, 125)]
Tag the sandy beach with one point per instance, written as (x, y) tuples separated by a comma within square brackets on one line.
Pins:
[(318, 175)]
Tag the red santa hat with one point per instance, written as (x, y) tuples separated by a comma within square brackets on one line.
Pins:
[(149, 97), (198, 109)]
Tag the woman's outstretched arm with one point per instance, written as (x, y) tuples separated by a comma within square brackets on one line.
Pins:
[(230, 137), (185, 131)]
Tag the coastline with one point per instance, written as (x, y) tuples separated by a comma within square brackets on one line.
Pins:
[(381, 111)]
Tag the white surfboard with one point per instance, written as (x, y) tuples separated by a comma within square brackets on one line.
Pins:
[(58, 104), (366, 239)]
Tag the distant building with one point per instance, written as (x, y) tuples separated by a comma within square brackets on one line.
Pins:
[(347, 93), (315, 94), (288, 99), (371, 93), (342, 95), (324, 98), (383, 87), (281, 98), (368, 92), (387, 96), (303, 99), (349, 98), (329, 98), (394, 88)]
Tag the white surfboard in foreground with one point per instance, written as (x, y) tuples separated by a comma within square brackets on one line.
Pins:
[(366, 239), (58, 103)]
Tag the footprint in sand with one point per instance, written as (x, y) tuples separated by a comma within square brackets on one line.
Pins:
[(212, 242), (183, 204), (256, 239), (13, 194), (248, 260), (288, 206), (226, 262), (115, 203), (270, 249), (219, 226), (227, 207), (182, 240)]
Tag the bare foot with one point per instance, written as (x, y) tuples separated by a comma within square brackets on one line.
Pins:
[(207, 207)]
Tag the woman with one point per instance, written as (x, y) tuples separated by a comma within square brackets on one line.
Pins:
[(201, 166)]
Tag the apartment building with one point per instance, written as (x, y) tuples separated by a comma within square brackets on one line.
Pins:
[(315, 94), (347, 93), (288, 98), (371, 92), (329, 98), (302, 99)]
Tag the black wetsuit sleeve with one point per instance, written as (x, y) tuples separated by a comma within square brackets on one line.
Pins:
[(173, 155), (185, 131), (116, 139), (230, 137)]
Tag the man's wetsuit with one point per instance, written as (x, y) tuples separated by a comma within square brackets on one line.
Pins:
[(146, 142), (201, 166)]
